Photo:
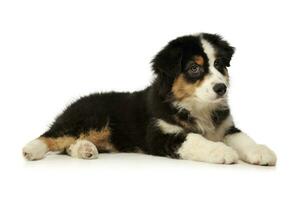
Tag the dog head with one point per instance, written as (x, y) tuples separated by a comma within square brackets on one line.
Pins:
[(194, 69)]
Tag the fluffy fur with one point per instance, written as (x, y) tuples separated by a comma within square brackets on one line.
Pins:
[(183, 114)]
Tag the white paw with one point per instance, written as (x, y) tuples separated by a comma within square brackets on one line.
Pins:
[(259, 155), (197, 148), (222, 154), (35, 150), (83, 149)]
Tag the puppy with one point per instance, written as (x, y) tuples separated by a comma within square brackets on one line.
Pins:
[(184, 114)]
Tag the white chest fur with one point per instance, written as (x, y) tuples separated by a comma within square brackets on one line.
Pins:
[(203, 118)]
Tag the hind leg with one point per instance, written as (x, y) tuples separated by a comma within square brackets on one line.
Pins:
[(83, 149), (83, 145), (37, 149)]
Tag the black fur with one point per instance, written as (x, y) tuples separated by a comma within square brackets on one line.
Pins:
[(224, 50), (218, 116), (232, 130), (131, 116)]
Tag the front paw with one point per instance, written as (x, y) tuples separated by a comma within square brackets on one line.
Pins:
[(222, 154), (197, 148), (259, 155)]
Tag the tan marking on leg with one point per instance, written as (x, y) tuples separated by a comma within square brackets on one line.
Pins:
[(183, 89), (58, 144), (101, 139)]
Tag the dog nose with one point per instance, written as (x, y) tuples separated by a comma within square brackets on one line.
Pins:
[(220, 89)]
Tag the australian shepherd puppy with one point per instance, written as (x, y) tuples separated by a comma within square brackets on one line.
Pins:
[(183, 114)]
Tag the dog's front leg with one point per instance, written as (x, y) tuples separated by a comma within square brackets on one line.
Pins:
[(248, 150), (196, 147), (170, 140)]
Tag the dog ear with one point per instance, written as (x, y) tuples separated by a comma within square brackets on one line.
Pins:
[(168, 61), (224, 49), (228, 52)]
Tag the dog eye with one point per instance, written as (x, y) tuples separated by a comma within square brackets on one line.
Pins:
[(218, 63), (195, 71), (221, 63), (194, 68)]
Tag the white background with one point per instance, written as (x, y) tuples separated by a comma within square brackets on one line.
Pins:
[(52, 52)]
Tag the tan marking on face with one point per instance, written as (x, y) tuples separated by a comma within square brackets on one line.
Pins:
[(182, 89), (101, 139), (199, 60), (58, 144)]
